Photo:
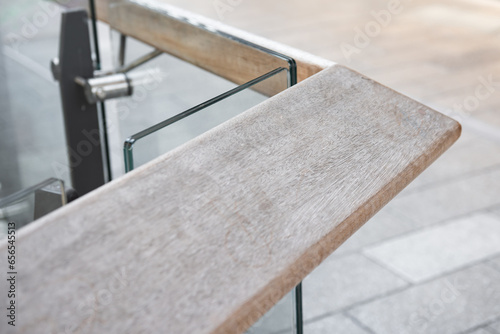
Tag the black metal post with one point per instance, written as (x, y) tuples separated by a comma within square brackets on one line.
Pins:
[(81, 119)]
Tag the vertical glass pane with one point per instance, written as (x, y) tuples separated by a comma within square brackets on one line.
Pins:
[(279, 319), (170, 133), (32, 140), (163, 88)]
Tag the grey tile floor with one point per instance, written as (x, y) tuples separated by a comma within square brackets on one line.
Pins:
[(429, 262), (442, 237)]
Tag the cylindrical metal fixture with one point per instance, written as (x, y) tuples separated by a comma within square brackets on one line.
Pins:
[(106, 87), (115, 85)]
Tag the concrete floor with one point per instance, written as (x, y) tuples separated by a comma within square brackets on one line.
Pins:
[(429, 262)]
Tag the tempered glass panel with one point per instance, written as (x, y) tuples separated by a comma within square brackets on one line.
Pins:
[(279, 319), (146, 145), (32, 140), (163, 87), (193, 39), (25, 206)]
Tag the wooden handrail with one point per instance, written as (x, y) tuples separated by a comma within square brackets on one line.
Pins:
[(202, 41), (208, 237)]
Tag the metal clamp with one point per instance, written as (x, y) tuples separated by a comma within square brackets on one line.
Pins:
[(105, 87), (113, 84)]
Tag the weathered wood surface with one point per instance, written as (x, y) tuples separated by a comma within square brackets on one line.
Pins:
[(171, 29), (205, 239)]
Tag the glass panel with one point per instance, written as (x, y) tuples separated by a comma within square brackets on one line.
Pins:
[(188, 38), (279, 319), (163, 87), (29, 204), (32, 140), (172, 132)]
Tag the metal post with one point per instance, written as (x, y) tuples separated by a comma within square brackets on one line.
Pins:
[(81, 119), (121, 53)]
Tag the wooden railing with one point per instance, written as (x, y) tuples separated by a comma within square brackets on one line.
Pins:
[(208, 237)]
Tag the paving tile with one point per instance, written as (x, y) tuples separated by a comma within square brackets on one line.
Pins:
[(491, 117), (495, 210), (494, 327), (452, 199), (482, 331), (337, 323), (495, 263), (451, 304), (462, 158), (436, 250), (342, 281), (384, 225)]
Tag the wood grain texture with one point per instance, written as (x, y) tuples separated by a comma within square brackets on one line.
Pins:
[(171, 29), (208, 237)]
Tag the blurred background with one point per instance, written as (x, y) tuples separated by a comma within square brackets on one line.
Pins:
[(429, 262)]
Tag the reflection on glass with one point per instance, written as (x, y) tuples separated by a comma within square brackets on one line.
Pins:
[(32, 140), (29, 204), (168, 86), (147, 144), (163, 87), (279, 319)]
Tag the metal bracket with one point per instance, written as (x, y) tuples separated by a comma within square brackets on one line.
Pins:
[(81, 89), (112, 84)]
